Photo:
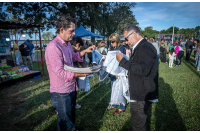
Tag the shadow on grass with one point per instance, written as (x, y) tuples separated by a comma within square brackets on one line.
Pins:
[(166, 113), (30, 122), (191, 66), (89, 116), (162, 116), (23, 105)]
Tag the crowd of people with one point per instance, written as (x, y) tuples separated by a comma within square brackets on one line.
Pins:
[(176, 50), (142, 68)]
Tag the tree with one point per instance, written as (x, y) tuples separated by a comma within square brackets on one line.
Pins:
[(3, 15), (122, 15), (149, 32), (47, 36), (170, 30), (105, 17)]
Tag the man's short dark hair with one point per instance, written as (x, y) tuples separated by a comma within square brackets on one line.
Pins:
[(190, 39), (153, 38), (133, 27), (145, 36), (162, 39), (65, 22)]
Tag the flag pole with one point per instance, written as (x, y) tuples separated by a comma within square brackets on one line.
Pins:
[(173, 35)]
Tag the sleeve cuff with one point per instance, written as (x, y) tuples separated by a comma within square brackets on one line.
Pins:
[(122, 61), (70, 77)]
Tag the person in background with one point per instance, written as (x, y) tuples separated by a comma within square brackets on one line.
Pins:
[(189, 46), (179, 55), (197, 58), (163, 51), (124, 44), (196, 41), (33, 54), (25, 50), (168, 44), (77, 45), (154, 40), (121, 48), (102, 48), (63, 87), (115, 42), (155, 44), (171, 57), (145, 37), (128, 51), (16, 51), (31, 47), (171, 47)]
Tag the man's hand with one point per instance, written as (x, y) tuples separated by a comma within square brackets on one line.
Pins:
[(119, 56), (76, 75), (88, 50), (116, 77)]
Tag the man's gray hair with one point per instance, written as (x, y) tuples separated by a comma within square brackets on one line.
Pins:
[(133, 27), (65, 22)]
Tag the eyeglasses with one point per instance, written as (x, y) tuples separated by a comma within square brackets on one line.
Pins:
[(126, 39), (112, 41)]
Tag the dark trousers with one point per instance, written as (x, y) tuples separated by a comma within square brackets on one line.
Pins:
[(188, 53), (139, 112), (64, 103), (163, 56), (180, 56)]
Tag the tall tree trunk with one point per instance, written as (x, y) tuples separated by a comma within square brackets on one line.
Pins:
[(104, 28), (92, 24)]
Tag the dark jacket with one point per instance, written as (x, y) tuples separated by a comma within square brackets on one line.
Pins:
[(142, 72), (23, 50), (189, 45)]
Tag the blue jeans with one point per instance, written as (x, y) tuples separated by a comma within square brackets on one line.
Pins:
[(64, 103), (17, 55), (198, 60)]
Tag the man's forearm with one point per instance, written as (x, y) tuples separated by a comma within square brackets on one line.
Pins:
[(76, 75), (82, 53)]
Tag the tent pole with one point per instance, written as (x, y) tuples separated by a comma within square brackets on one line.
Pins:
[(41, 52), (37, 52)]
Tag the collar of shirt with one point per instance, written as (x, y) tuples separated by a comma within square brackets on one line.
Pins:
[(136, 44), (61, 41)]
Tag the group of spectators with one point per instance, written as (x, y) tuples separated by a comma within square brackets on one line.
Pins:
[(176, 51), (27, 51)]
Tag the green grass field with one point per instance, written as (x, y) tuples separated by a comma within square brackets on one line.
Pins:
[(27, 106)]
